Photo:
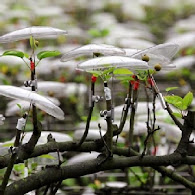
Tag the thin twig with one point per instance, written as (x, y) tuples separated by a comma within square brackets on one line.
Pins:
[(124, 112), (83, 138), (132, 117), (177, 122)]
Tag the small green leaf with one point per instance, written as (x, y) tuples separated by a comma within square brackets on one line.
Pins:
[(170, 88), (48, 156), (179, 115), (94, 32), (190, 51), (175, 101), (6, 82), (34, 166), (122, 71), (19, 106), (187, 100), (8, 144), (108, 71), (105, 32), (95, 72), (46, 54), (32, 42), (125, 78), (142, 75), (26, 55), (107, 77), (69, 182), (14, 53)]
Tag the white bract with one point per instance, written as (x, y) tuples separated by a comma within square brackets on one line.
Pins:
[(35, 31), (36, 99), (113, 61), (91, 49), (130, 51), (13, 106), (167, 50), (159, 54), (59, 137), (59, 89)]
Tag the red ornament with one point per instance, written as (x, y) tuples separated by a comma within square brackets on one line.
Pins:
[(154, 151), (135, 82), (150, 81), (32, 65), (136, 85), (93, 79)]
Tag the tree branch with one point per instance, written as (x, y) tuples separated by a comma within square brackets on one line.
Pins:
[(54, 174)]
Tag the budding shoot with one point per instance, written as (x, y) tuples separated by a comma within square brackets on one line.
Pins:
[(157, 67), (145, 58)]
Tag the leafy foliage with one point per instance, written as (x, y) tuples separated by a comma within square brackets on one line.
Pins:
[(14, 53), (170, 88), (180, 103), (104, 74), (122, 71), (46, 54), (98, 33)]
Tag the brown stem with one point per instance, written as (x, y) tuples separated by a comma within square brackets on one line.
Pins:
[(132, 117), (89, 115)]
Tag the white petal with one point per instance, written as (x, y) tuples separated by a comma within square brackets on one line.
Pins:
[(35, 31), (168, 50), (90, 49), (40, 101), (113, 61)]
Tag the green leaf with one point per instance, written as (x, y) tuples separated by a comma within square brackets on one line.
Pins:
[(69, 182), (14, 53), (142, 75), (177, 114), (190, 51), (122, 71), (175, 101), (48, 156), (46, 54), (105, 32), (19, 106), (8, 144), (107, 77), (26, 55), (187, 100), (96, 73), (34, 165), (32, 43), (108, 71), (170, 88), (6, 82), (94, 32)]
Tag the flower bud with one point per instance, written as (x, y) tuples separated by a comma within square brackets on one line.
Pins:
[(157, 67), (145, 58)]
